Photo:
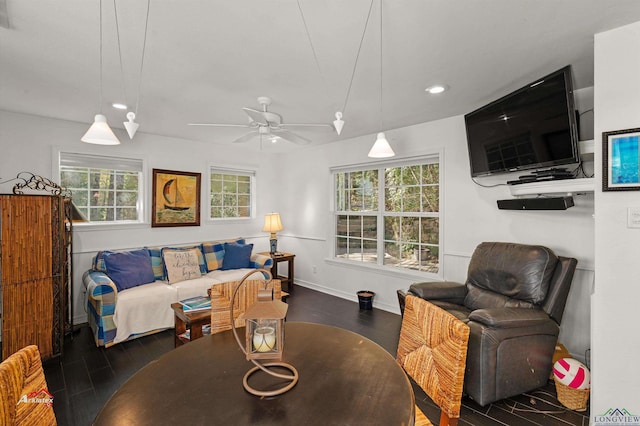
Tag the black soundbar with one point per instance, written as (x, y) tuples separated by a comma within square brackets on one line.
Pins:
[(540, 203)]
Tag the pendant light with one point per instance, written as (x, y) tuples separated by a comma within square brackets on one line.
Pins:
[(131, 125), (100, 133), (381, 148)]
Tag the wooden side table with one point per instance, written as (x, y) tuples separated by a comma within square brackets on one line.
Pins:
[(192, 321), (286, 282)]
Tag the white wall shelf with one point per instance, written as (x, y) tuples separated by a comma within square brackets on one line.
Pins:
[(563, 186), (586, 150)]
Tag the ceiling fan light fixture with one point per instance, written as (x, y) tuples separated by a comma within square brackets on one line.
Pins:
[(100, 133), (381, 148)]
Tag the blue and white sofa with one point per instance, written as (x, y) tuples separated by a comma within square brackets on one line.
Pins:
[(130, 292)]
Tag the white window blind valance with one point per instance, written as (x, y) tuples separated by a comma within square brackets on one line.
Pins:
[(68, 159)]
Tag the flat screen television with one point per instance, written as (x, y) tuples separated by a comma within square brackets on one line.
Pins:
[(534, 127)]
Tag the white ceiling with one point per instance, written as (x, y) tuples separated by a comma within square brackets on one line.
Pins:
[(206, 59)]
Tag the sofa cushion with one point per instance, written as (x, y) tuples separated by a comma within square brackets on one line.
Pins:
[(181, 264), (213, 252), (156, 263), (236, 256), (129, 268)]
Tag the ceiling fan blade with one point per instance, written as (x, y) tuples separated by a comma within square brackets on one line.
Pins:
[(218, 125), (304, 125), (256, 116), (246, 138), (291, 137)]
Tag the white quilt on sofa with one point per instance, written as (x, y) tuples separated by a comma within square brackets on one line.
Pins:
[(148, 307), (144, 308)]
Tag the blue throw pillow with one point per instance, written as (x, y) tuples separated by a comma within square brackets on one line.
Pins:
[(236, 256), (129, 268)]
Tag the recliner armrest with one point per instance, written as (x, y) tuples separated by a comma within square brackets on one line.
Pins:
[(509, 317), (448, 291)]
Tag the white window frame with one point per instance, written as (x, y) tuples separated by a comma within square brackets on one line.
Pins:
[(436, 157), (89, 159), (217, 169)]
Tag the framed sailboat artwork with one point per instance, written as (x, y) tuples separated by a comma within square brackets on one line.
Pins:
[(176, 198)]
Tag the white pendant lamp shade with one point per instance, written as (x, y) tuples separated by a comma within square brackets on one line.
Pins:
[(100, 133), (381, 149)]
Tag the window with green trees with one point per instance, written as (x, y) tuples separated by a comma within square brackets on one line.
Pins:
[(231, 193), (390, 215), (104, 189)]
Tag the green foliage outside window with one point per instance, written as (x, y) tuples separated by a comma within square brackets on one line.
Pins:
[(410, 220), (103, 195), (230, 195)]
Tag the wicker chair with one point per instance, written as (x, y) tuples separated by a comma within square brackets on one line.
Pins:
[(433, 351), (24, 398), (221, 301)]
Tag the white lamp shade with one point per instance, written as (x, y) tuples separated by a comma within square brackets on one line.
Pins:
[(100, 133), (272, 223), (381, 149)]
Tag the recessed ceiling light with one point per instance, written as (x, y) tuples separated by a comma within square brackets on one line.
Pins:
[(119, 106), (436, 88)]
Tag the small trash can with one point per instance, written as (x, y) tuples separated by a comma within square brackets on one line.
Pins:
[(365, 299)]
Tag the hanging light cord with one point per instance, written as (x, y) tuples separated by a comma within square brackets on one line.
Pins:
[(315, 56), (355, 65), (124, 88), (144, 46), (100, 72), (381, 120)]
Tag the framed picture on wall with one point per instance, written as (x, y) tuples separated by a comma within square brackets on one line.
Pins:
[(176, 198), (621, 160)]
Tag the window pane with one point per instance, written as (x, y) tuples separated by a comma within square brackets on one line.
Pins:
[(231, 195), (411, 175), (410, 229), (100, 193), (411, 199), (391, 253), (430, 230), (391, 228), (430, 201), (369, 227), (341, 247), (410, 217), (342, 225), (355, 226), (431, 173), (127, 199), (72, 178)]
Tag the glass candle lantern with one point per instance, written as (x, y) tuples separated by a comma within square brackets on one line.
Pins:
[(265, 327)]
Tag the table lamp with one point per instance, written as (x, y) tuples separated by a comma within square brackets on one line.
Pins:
[(264, 336), (272, 224)]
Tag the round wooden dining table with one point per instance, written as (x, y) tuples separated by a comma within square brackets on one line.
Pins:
[(344, 379)]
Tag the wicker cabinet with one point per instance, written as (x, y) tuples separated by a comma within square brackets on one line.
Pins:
[(35, 265)]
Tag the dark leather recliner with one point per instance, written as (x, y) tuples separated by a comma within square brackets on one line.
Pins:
[(513, 301)]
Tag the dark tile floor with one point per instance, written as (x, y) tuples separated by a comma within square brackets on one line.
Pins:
[(84, 378)]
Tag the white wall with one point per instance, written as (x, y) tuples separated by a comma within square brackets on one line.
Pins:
[(298, 185), (470, 217), (28, 143), (616, 345)]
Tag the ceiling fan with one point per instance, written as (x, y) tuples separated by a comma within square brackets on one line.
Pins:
[(266, 124)]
